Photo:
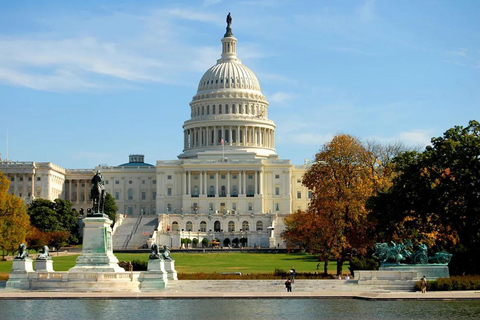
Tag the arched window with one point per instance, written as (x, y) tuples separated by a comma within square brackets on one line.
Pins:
[(203, 226), (227, 136), (217, 226), (259, 225), (245, 226), (231, 226), (189, 226), (174, 226), (234, 136)]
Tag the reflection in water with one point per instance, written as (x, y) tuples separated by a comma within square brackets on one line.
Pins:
[(212, 309)]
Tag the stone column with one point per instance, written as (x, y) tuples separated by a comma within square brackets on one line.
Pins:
[(216, 184), (261, 182), (240, 182), (70, 190), (189, 189), (184, 183), (201, 182), (78, 191), (228, 183), (256, 182), (32, 193), (244, 181)]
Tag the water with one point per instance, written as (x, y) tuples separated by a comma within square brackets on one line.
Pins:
[(213, 309)]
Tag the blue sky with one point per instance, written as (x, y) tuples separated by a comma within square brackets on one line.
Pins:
[(84, 83)]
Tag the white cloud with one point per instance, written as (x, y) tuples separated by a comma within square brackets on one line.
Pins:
[(305, 138), (366, 11), (414, 138), (210, 2), (195, 15), (281, 98)]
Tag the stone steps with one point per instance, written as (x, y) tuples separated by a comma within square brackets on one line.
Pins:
[(279, 285)]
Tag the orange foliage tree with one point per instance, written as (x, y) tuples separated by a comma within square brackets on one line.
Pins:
[(344, 176), (14, 220)]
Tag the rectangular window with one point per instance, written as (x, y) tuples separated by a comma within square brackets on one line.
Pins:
[(13, 179), (21, 179), (169, 177), (277, 191), (234, 206), (211, 176), (210, 206), (106, 182), (143, 181), (38, 179), (117, 182), (154, 181), (144, 195), (30, 179), (154, 195), (169, 207), (299, 195), (309, 194), (169, 192), (277, 176), (195, 177), (223, 176), (299, 181), (277, 207), (117, 195), (250, 206), (234, 176), (250, 176)]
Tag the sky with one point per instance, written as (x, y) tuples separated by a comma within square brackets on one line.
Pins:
[(84, 83)]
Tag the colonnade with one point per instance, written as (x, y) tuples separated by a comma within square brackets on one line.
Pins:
[(76, 184), (241, 184), (231, 135)]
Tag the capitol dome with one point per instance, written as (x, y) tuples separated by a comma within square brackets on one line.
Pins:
[(229, 111)]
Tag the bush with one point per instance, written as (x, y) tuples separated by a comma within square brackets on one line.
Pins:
[(452, 284), (363, 263), (139, 265)]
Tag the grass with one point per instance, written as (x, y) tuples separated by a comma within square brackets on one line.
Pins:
[(193, 263)]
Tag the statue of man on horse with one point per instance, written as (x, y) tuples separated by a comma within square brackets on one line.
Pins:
[(97, 193)]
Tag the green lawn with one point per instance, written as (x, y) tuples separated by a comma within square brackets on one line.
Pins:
[(213, 262)]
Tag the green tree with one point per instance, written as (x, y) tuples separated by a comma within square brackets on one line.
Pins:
[(14, 220), (110, 208), (58, 215), (435, 198), (58, 239)]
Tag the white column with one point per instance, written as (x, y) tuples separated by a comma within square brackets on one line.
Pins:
[(201, 182), (215, 137), (228, 183), (240, 182), (70, 190), (244, 181), (86, 192), (230, 135), (32, 193), (185, 183), (256, 182), (189, 190), (78, 191), (261, 182), (216, 184)]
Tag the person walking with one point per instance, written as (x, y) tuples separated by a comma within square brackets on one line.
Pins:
[(292, 274), (288, 285), (423, 282)]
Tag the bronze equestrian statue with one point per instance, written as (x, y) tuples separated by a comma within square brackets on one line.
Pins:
[(97, 193)]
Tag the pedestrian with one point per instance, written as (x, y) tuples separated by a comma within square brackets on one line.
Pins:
[(318, 266), (292, 274), (424, 284), (288, 285)]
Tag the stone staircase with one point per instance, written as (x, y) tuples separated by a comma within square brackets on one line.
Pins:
[(279, 285), (134, 232)]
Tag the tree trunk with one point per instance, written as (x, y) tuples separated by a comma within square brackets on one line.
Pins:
[(325, 267), (339, 266)]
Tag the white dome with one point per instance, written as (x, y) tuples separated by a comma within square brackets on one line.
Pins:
[(229, 74)]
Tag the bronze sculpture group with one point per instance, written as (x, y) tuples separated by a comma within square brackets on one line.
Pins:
[(163, 254), (398, 253)]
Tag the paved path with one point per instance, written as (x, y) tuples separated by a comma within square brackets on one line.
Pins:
[(439, 295)]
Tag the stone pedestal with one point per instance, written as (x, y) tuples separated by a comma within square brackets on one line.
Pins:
[(170, 269), (19, 277), (430, 271), (156, 278), (97, 251), (44, 265)]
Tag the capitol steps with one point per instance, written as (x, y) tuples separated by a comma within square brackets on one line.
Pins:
[(134, 232)]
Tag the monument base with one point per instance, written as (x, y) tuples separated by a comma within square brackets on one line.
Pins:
[(430, 271), (44, 266), (170, 269), (19, 277)]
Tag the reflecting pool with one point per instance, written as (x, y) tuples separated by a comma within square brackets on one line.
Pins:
[(212, 309)]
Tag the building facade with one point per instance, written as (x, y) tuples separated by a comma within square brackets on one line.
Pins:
[(227, 184)]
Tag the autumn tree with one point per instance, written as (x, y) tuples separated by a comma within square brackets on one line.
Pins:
[(14, 220), (36, 239), (342, 178), (435, 198)]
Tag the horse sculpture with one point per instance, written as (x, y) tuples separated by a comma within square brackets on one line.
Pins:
[(97, 193)]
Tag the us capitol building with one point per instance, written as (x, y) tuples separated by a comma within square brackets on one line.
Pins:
[(228, 183)]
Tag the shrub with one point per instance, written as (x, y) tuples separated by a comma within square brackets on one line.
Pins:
[(452, 284), (363, 263), (139, 265)]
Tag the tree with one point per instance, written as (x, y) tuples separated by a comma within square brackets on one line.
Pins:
[(50, 216), (343, 177), (58, 239), (14, 220), (36, 239), (435, 197), (110, 208)]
